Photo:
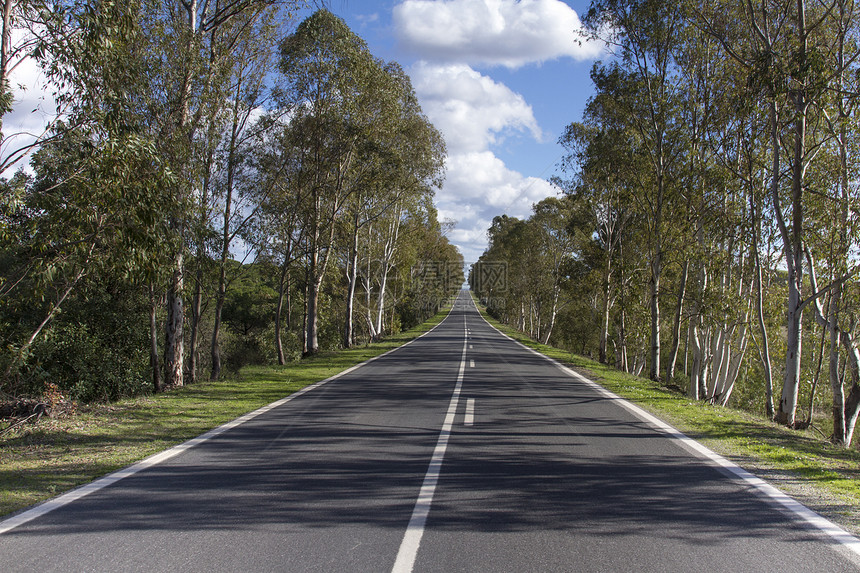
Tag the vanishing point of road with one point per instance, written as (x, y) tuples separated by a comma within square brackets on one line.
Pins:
[(462, 451)]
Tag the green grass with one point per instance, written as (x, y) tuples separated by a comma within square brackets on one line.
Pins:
[(801, 463), (42, 460)]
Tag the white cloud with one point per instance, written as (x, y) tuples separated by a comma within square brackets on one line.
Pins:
[(34, 108), (470, 109), (479, 187), (511, 33), (474, 113), (365, 19)]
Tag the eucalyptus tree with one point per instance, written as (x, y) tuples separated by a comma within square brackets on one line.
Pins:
[(377, 203), (846, 409), (805, 82), (277, 232), (98, 193), (600, 161), (556, 235), (644, 35), (232, 173), (723, 168), (492, 277), (192, 54), (427, 252), (790, 51), (698, 65), (333, 90), (407, 164), (835, 239), (536, 255)]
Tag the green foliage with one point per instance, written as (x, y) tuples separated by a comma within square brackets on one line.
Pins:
[(86, 366), (719, 147), (90, 354), (159, 166), (248, 313)]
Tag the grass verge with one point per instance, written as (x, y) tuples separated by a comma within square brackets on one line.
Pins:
[(800, 463), (40, 461)]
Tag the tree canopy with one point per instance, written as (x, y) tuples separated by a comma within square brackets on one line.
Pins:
[(713, 207), (220, 172)]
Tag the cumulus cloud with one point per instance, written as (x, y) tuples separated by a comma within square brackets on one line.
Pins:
[(510, 33), (478, 187), (473, 111), (476, 113)]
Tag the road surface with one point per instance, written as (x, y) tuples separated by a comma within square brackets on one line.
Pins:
[(462, 451)]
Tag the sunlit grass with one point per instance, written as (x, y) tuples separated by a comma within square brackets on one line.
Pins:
[(55, 455)]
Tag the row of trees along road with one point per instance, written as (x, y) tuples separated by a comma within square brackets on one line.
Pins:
[(191, 131), (711, 207)]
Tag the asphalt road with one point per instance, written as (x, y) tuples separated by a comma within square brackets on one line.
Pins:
[(462, 451)]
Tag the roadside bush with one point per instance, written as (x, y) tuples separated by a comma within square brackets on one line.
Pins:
[(254, 348), (85, 366)]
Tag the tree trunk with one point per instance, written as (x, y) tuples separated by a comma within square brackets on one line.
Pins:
[(794, 321), (220, 298), (839, 423), (383, 285), (794, 247), (697, 368), (791, 383), (305, 315), (197, 299), (764, 350), (174, 349), (196, 311), (553, 315), (352, 277), (226, 233), (313, 317), (852, 410), (654, 284), (621, 359), (153, 341), (174, 344), (283, 285), (676, 325), (6, 41), (604, 322)]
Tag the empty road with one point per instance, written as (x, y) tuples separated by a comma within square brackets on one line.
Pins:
[(462, 451)]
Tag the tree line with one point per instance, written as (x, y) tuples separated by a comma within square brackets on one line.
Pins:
[(708, 225), (221, 186)]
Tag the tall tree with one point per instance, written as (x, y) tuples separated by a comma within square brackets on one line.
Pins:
[(645, 34), (331, 76), (407, 164), (97, 194), (192, 47)]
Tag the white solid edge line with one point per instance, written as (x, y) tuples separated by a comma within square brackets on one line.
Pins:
[(728, 467), (50, 505), (405, 560)]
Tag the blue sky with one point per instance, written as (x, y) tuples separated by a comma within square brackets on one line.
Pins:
[(500, 79)]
